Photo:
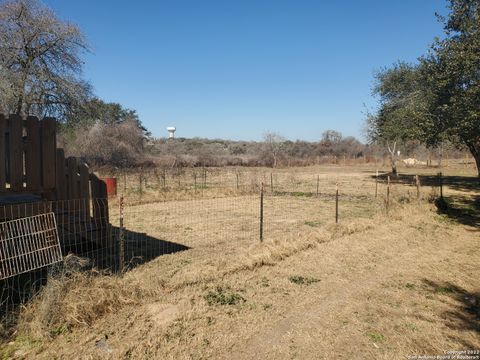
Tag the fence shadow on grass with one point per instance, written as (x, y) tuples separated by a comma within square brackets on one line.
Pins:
[(464, 209), (461, 209), (459, 183), (141, 248), (464, 315)]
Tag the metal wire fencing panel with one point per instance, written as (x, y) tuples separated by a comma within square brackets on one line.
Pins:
[(84, 230), (84, 240), (154, 229), (28, 244)]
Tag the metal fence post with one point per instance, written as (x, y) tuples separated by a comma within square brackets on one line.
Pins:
[(271, 182), (261, 213), (121, 238), (417, 184), (388, 194), (318, 183), (336, 203), (440, 183), (376, 184)]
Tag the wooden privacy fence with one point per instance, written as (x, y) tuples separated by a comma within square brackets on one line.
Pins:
[(27, 155), (31, 163)]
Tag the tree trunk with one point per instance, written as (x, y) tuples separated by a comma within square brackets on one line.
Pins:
[(393, 159), (477, 162), (394, 164), (475, 151)]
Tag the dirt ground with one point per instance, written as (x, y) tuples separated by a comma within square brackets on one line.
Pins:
[(376, 285)]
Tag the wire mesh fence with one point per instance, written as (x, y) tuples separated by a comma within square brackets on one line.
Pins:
[(83, 239), (124, 232)]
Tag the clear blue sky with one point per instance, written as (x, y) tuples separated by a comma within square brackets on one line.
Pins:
[(238, 68)]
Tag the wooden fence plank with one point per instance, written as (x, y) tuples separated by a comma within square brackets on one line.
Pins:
[(33, 157), (49, 145), (100, 208), (99, 191), (16, 153), (61, 176), (3, 124), (84, 178), (73, 179), (85, 189)]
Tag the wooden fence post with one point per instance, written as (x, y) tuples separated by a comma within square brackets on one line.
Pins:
[(376, 184), (237, 179), (261, 213), (318, 184)]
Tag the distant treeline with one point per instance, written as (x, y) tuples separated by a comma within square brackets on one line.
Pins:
[(278, 152)]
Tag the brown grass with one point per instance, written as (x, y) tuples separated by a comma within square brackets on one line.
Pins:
[(377, 286)]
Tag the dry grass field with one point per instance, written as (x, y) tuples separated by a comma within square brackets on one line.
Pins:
[(376, 285)]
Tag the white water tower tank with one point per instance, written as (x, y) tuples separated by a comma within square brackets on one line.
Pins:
[(171, 132)]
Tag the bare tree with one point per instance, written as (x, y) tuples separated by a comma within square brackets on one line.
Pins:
[(120, 145), (274, 145), (331, 136), (40, 63), (393, 155)]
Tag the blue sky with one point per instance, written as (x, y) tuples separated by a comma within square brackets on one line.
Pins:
[(236, 69)]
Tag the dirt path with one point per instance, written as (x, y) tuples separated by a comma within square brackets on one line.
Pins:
[(313, 327)]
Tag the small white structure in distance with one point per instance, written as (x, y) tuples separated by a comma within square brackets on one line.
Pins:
[(171, 132)]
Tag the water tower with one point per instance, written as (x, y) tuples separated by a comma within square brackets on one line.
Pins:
[(171, 132)]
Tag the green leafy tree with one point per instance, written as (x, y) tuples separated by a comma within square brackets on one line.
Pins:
[(401, 93), (452, 73), (96, 110), (438, 99)]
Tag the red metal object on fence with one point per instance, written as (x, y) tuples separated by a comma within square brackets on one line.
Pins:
[(111, 186)]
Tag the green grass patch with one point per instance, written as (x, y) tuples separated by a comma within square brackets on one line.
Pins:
[(377, 337), (301, 280), (313, 223), (301, 194), (443, 290), (221, 296)]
